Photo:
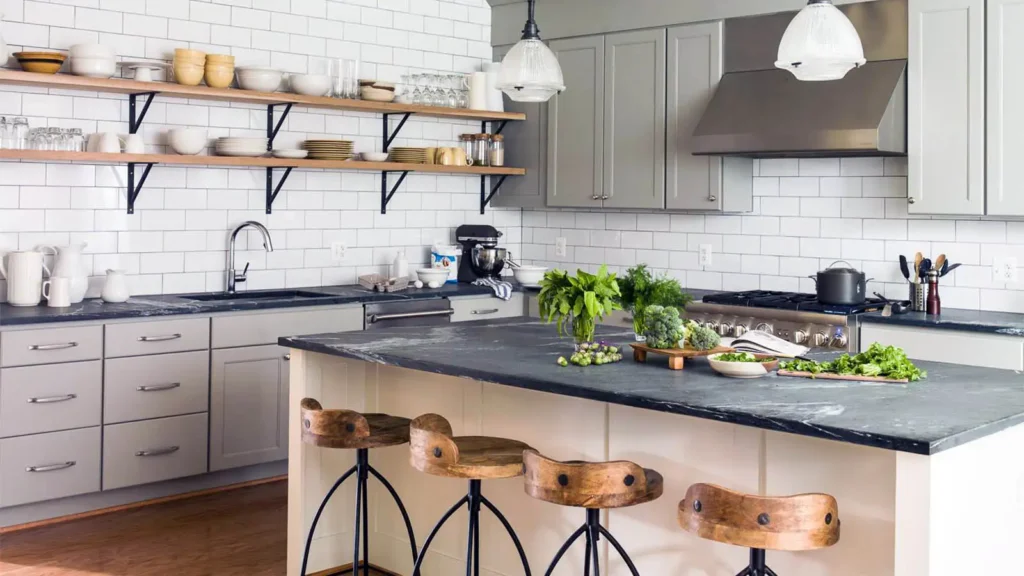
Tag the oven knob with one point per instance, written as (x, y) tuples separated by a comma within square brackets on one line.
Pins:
[(840, 341), (724, 329), (739, 331), (765, 327), (820, 339), (710, 325), (800, 336)]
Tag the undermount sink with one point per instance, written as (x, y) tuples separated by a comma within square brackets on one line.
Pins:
[(264, 295)]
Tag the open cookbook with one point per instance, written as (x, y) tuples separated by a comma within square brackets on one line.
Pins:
[(758, 342)]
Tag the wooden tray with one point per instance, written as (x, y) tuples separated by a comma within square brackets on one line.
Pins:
[(850, 377), (676, 356)]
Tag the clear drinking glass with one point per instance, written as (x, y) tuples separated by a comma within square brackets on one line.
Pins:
[(351, 79), (77, 140), (463, 91), (53, 138), (452, 96), (38, 140), (6, 134), (417, 85), (21, 133)]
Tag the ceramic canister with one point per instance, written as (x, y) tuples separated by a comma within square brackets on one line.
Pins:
[(24, 274)]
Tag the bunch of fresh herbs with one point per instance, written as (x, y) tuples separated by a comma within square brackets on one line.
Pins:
[(579, 301), (642, 289), (878, 360)]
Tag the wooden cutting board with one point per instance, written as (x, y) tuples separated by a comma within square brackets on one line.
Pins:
[(850, 377), (676, 356)]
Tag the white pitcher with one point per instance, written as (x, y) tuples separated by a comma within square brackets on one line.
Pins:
[(24, 274), (67, 261), (115, 289)]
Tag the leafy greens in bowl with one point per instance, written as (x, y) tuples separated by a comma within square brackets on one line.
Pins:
[(743, 364)]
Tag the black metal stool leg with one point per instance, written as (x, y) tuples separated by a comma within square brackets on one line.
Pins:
[(474, 520), (401, 508), (565, 547), (512, 533), (363, 456), (770, 571), (319, 511), (474, 508), (430, 537), (618, 548), (744, 572), (593, 528), (586, 555), (359, 509)]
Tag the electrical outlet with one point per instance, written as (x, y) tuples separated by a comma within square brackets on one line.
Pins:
[(704, 256), (560, 247), (338, 250), (1004, 269)]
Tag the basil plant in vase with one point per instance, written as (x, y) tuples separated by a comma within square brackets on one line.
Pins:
[(577, 302), (642, 289)]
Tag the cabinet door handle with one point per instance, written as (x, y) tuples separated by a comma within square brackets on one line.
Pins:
[(712, 198), (159, 387), (595, 197), (911, 200), (158, 451), (287, 357), (159, 338), (52, 399), (46, 347), (487, 311), (51, 467), (605, 197)]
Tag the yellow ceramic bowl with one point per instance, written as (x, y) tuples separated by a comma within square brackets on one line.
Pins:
[(220, 59), (186, 54), (40, 62), (188, 74), (218, 76)]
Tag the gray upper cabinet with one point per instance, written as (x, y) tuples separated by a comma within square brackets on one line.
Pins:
[(525, 147), (1005, 107), (946, 107), (576, 126), (634, 120)]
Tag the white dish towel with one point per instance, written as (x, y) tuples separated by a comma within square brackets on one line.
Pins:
[(502, 289)]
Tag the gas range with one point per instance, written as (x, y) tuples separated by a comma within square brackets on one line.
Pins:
[(798, 318)]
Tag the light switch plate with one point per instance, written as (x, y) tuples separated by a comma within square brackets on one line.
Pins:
[(704, 256), (560, 247), (338, 250)]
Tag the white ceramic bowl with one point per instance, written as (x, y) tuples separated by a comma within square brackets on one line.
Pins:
[(428, 275), (92, 51), (742, 369), (310, 84), (186, 141), (376, 94), (259, 79), (93, 67), (292, 154), (375, 156), (529, 275)]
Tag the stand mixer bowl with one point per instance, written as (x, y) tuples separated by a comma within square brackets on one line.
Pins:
[(488, 260)]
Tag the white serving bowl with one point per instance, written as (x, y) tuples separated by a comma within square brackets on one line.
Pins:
[(742, 369), (92, 51), (186, 141), (428, 275), (93, 67), (310, 84), (259, 79), (375, 156), (529, 275), (291, 154)]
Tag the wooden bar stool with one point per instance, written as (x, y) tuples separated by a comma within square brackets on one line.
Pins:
[(434, 450), (594, 486), (349, 430), (792, 523)]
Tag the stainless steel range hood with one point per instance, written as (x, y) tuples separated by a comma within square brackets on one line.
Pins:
[(760, 111)]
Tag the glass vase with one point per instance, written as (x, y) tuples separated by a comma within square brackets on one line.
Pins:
[(583, 329)]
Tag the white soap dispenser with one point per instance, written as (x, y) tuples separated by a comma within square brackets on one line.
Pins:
[(400, 267)]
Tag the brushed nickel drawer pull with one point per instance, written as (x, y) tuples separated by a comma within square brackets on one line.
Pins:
[(52, 399), (159, 338), (488, 311), (158, 387), (384, 317), (287, 357), (158, 451), (51, 467), (47, 347)]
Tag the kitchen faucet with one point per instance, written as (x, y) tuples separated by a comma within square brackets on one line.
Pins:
[(268, 244)]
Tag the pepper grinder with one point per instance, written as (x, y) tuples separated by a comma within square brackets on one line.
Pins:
[(934, 302)]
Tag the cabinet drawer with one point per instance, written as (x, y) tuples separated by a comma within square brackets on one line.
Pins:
[(486, 308), (138, 338), (153, 450), (936, 345), (155, 386), (49, 466), (262, 329), (27, 347), (38, 399)]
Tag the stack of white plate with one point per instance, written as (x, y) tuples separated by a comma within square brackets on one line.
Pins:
[(249, 147), (329, 149)]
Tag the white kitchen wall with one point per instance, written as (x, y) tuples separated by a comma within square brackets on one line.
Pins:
[(807, 214), (177, 240)]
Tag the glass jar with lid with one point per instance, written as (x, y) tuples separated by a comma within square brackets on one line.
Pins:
[(497, 152), (482, 149), (466, 142)]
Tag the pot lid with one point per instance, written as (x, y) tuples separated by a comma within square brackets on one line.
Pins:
[(834, 270)]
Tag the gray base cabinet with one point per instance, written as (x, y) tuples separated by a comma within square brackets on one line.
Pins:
[(153, 450), (49, 466), (248, 406)]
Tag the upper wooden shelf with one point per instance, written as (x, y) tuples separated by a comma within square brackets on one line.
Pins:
[(170, 89), (231, 161)]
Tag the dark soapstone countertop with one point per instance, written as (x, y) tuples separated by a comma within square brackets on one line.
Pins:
[(953, 406), (173, 305), (1004, 323)]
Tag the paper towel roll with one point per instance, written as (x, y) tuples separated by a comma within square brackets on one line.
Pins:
[(495, 100)]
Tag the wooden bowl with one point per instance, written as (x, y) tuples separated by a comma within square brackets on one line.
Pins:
[(40, 62)]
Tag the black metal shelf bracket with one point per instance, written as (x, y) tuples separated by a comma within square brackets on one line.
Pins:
[(486, 198), (272, 128), (274, 190), (385, 196), (135, 116), (485, 125), (389, 136), (133, 188)]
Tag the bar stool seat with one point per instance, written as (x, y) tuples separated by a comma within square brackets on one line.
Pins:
[(791, 523), (595, 486)]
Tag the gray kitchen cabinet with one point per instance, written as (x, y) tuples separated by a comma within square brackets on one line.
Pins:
[(575, 166), (35, 399), (248, 406), (526, 146), (695, 66), (153, 450), (946, 107), (471, 308), (634, 120), (1005, 173), (145, 387), (49, 466)]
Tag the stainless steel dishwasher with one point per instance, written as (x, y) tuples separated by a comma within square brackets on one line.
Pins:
[(426, 312)]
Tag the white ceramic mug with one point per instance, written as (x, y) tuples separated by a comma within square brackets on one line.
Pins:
[(133, 143), (115, 289), (105, 142), (57, 291), (24, 274)]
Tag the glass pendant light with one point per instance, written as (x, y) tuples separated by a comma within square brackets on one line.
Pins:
[(530, 71), (820, 44)]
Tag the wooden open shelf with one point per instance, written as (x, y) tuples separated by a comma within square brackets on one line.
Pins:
[(169, 89), (230, 161)]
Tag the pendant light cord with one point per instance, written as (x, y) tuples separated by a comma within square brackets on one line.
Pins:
[(531, 31)]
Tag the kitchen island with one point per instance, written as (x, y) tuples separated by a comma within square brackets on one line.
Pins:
[(929, 476)]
